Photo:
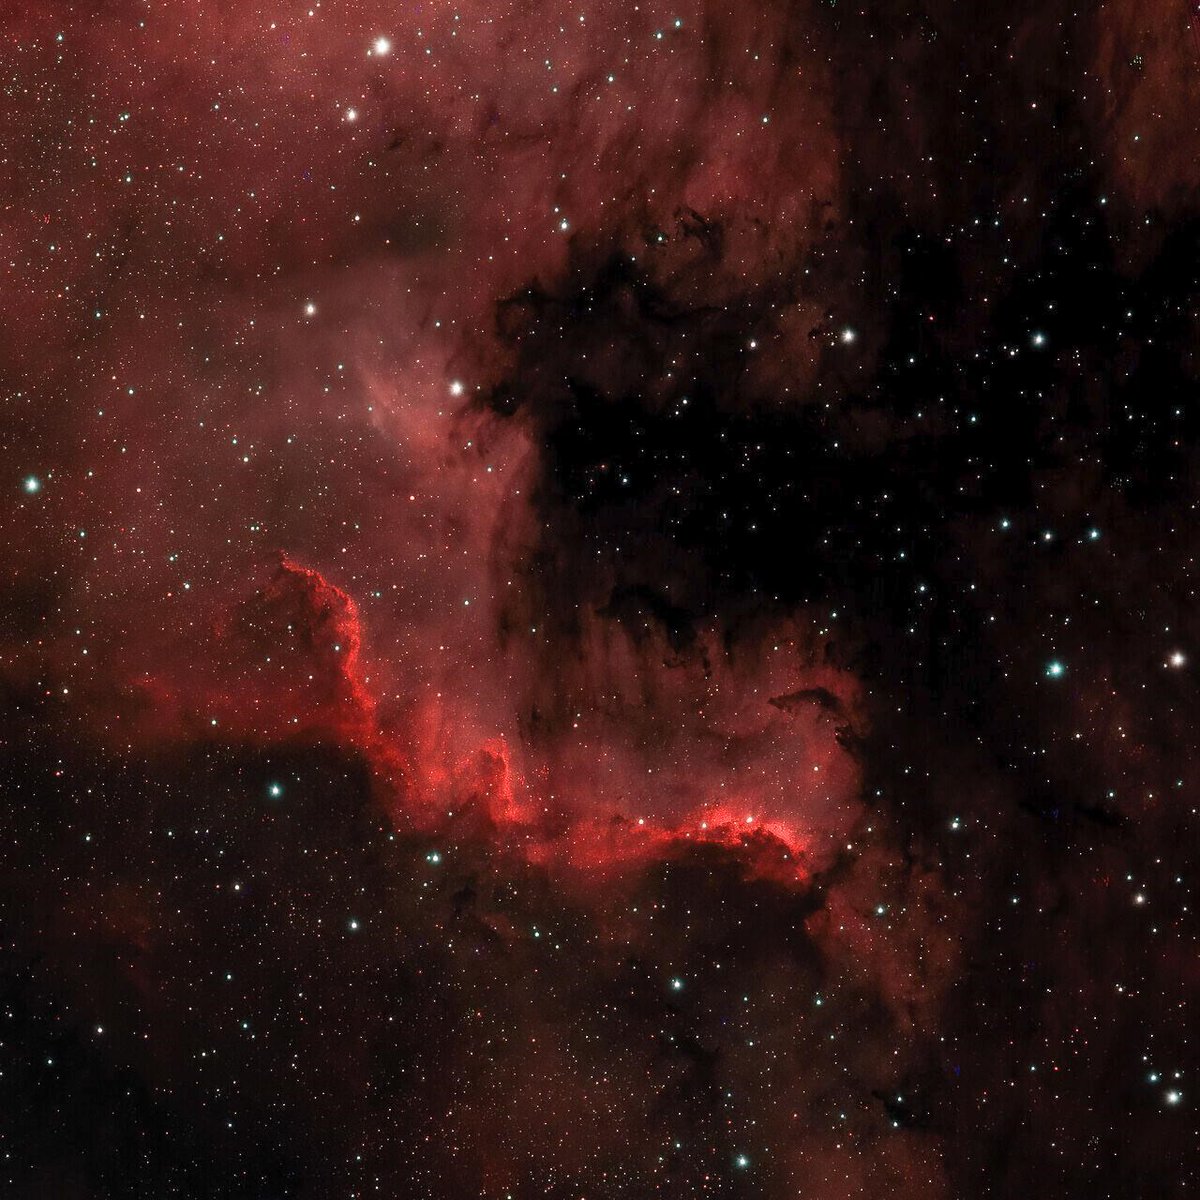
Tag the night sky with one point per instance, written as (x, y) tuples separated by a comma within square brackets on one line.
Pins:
[(599, 600)]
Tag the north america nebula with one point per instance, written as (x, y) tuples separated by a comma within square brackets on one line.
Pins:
[(599, 600)]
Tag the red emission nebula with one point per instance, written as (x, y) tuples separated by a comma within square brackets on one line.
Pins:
[(599, 600)]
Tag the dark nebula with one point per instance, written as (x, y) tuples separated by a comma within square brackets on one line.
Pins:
[(599, 600)]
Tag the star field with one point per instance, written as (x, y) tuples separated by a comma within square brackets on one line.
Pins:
[(599, 600)]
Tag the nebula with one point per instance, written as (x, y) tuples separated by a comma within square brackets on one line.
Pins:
[(599, 599)]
